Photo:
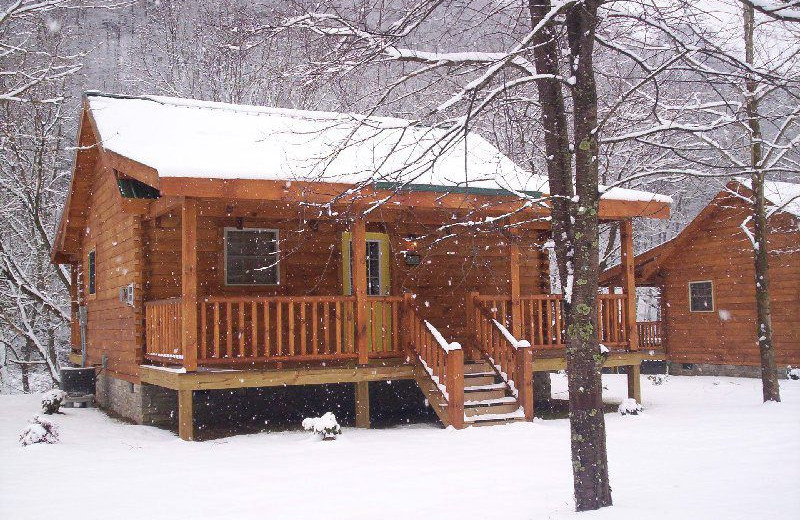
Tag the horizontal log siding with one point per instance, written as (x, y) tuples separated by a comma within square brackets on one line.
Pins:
[(114, 328), (719, 251)]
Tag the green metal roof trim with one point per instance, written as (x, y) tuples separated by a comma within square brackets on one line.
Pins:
[(384, 185)]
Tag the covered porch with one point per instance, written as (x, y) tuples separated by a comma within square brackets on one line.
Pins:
[(207, 334)]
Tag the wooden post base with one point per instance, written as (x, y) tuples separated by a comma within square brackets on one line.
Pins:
[(185, 415), (362, 404), (635, 382)]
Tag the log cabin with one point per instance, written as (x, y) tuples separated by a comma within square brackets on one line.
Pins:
[(706, 279), (218, 246)]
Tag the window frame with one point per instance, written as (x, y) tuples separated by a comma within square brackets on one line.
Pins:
[(713, 296), (91, 273), (225, 256)]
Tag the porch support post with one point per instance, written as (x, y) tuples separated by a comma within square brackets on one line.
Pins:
[(362, 404), (189, 283), (635, 382), (514, 280), (454, 374), (186, 415), (629, 282), (358, 251), (524, 369)]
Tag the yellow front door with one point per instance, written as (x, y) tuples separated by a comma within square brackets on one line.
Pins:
[(378, 284)]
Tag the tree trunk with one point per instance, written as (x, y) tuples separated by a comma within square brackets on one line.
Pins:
[(556, 137), (584, 361), (576, 237), (769, 371)]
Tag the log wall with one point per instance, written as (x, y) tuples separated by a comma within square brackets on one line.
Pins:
[(114, 328)]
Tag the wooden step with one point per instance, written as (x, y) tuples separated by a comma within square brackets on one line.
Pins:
[(491, 386), (478, 379), (495, 418), (477, 367), (495, 409), (483, 395), (505, 399), (495, 422)]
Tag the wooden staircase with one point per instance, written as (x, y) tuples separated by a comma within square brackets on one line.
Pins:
[(468, 393), (488, 400)]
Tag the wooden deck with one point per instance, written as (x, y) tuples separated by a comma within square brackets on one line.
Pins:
[(285, 341)]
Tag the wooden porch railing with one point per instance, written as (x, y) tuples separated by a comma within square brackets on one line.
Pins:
[(649, 334), (543, 322), (163, 330), (246, 330), (511, 357), (443, 361)]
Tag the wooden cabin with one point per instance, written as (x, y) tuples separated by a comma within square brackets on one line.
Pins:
[(706, 277), (218, 246)]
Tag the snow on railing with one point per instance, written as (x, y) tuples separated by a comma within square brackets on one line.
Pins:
[(516, 343), (447, 347)]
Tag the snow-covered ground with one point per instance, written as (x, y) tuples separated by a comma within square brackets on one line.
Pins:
[(705, 447)]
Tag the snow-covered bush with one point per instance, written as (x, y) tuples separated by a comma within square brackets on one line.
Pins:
[(630, 407), (326, 426), (39, 430), (51, 401), (792, 373), (657, 379)]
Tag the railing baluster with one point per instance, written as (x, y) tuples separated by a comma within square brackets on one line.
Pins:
[(267, 346), (291, 329), (278, 329), (241, 306), (338, 327), (326, 327), (254, 329), (303, 325)]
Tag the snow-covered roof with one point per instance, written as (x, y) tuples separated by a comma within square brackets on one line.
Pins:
[(783, 195), (201, 139)]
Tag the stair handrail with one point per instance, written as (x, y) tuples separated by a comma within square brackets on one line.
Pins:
[(442, 360), (510, 357)]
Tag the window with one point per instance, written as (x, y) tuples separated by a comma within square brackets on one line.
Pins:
[(133, 189), (701, 296), (92, 267), (251, 256)]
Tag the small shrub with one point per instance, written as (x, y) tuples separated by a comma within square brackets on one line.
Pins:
[(793, 373), (326, 426), (657, 379), (39, 430), (630, 407), (51, 401)]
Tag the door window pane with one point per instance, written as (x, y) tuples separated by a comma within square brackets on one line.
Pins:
[(373, 267)]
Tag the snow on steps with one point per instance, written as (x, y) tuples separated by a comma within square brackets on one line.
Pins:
[(489, 402), (491, 386)]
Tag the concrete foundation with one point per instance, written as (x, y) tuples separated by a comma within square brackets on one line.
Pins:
[(707, 369), (140, 403)]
